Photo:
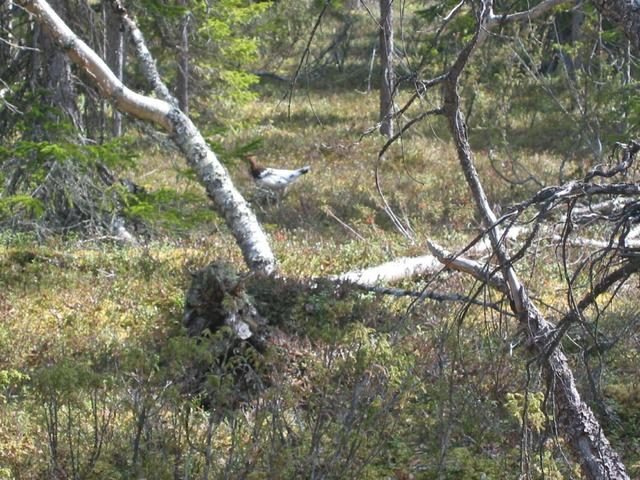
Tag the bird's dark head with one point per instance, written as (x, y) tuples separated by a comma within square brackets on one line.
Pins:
[(253, 165)]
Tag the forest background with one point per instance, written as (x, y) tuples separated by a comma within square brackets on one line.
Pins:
[(109, 243)]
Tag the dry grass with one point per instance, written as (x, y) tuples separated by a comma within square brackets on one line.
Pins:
[(104, 305)]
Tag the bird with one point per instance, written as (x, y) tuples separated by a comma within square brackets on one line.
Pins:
[(273, 178)]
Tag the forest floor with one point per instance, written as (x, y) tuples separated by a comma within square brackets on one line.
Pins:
[(90, 329)]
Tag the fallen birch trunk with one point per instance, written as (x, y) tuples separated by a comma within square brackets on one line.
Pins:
[(393, 271), (211, 173), (465, 265)]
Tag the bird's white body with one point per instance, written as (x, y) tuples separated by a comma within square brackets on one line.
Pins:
[(276, 178)]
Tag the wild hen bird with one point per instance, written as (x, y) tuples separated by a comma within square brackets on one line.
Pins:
[(273, 178)]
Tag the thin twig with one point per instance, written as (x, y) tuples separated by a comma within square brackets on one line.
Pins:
[(328, 211), (303, 58), (430, 294)]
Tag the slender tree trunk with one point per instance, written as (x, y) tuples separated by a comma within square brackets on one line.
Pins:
[(114, 56), (140, 424), (571, 37), (6, 21), (577, 21), (182, 88), (627, 63), (578, 424), (388, 76)]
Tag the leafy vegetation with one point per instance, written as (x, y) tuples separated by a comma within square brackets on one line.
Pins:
[(98, 377)]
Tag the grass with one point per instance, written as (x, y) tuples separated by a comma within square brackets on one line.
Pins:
[(92, 331), (75, 309)]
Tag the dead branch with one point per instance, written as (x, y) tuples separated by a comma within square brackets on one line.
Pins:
[(430, 294), (580, 427), (304, 57), (461, 264), (530, 14), (621, 275), (407, 126), (629, 152)]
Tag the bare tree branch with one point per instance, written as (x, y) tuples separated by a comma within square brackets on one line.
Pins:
[(534, 12), (430, 294), (622, 274), (304, 57), (580, 427)]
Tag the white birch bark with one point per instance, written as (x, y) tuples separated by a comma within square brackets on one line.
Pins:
[(399, 269)]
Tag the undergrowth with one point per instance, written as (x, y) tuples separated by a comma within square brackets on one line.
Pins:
[(95, 364)]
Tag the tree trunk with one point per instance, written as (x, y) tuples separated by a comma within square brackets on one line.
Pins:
[(114, 55), (568, 31), (627, 63), (6, 20), (626, 74), (388, 76), (182, 87), (577, 22), (239, 218), (53, 78)]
